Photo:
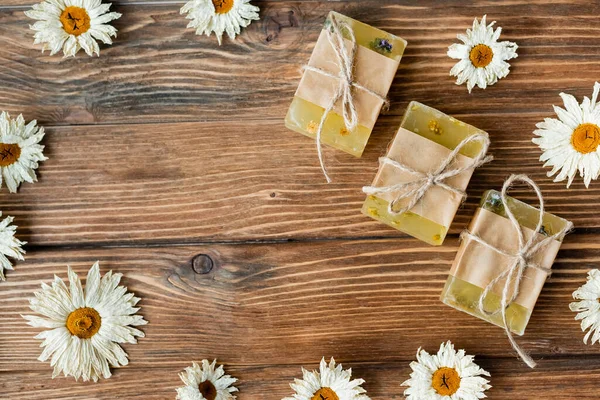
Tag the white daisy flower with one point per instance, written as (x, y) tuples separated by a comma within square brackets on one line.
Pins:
[(330, 383), (588, 308), (9, 245), (570, 143), (70, 25), (206, 383), (85, 328), (219, 16), (482, 57), (447, 375), (20, 150)]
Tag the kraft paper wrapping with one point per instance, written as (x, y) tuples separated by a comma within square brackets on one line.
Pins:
[(371, 69), (479, 265), (421, 154)]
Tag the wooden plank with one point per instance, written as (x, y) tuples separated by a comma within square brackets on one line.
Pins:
[(12, 4), (159, 71), (555, 380), (193, 182), (277, 304)]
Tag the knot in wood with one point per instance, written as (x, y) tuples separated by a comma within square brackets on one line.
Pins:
[(202, 264)]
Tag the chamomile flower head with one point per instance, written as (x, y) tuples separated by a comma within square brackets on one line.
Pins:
[(71, 25), (206, 382), (219, 16), (10, 246), (331, 382), (447, 375), (85, 327), (482, 58), (20, 151), (570, 143), (588, 306)]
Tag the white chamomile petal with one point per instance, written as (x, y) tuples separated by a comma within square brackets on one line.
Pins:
[(330, 382), (449, 374), (86, 325), (20, 151), (219, 16), (482, 59), (570, 144), (206, 382), (588, 306), (72, 25), (10, 246)]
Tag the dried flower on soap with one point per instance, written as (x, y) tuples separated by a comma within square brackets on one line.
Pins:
[(20, 151), (220, 16), (86, 327), (483, 59), (71, 25), (331, 382), (570, 143), (206, 383), (10, 246), (449, 374), (588, 307)]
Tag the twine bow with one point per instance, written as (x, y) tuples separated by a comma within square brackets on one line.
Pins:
[(345, 60), (520, 261), (416, 189)]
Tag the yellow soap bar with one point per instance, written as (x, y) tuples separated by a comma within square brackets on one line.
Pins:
[(439, 128), (465, 296), (304, 116)]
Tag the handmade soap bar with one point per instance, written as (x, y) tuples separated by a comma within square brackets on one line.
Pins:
[(375, 63), (424, 141), (476, 265)]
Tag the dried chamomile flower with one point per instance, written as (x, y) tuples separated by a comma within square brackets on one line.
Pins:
[(330, 383), (482, 57), (206, 383), (449, 374), (9, 245), (70, 25), (570, 143), (219, 16), (588, 308), (20, 151), (86, 327)]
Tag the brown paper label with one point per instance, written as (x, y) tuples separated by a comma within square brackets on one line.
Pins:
[(421, 154), (479, 265), (371, 69)]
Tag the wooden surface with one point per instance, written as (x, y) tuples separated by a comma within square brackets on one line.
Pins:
[(168, 147)]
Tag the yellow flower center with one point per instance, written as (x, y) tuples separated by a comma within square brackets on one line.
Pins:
[(223, 6), (9, 154), (84, 322), (75, 20), (585, 138), (208, 390), (445, 381), (481, 55), (325, 394)]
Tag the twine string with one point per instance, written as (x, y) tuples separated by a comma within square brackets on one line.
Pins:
[(415, 189), (520, 262), (345, 59)]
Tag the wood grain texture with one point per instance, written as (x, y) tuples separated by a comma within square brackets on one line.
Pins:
[(567, 379), (159, 71), (169, 146), (268, 309), (199, 182)]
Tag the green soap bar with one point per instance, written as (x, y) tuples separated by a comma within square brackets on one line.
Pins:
[(304, 117), (465, 296), (439, 128)]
